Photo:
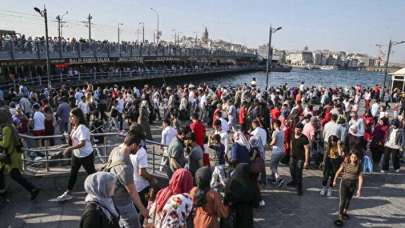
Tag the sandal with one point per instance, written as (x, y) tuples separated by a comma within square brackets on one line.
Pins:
[(345, 216), (339, 222)]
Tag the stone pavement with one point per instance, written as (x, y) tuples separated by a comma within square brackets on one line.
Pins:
[(382, 204)]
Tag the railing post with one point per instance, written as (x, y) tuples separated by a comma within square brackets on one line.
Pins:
[(46, 157), (153, 159), (79, 76)]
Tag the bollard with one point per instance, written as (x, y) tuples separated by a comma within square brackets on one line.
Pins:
[(153, 159)]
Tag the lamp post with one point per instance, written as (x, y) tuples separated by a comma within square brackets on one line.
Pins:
[(119, 31), (60, 24), (44, 14), (157, 25), (143, 31), (390, 45), (270, 54)]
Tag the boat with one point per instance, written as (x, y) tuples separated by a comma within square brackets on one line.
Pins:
[(327, 68)]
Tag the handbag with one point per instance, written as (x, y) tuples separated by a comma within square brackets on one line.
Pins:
[(257, 165)]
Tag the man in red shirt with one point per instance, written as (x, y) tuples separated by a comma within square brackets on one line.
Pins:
[(275, 113), (197, 127), (243, 113)]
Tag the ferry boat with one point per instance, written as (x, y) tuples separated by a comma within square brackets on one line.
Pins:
[(327, 68)]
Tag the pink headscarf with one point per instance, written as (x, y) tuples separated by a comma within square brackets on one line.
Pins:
[(181, 182)]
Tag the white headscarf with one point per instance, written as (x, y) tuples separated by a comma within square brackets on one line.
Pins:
[(241, 139), (98, 187)]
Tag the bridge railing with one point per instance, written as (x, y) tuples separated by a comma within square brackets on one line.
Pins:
[(40, 81), (39, 157), (36, 49)]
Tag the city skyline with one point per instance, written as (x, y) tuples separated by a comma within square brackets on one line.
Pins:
[(352, 26)]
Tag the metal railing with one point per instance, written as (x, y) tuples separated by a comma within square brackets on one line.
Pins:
[(41, 159), (12, 49), (111, 77)]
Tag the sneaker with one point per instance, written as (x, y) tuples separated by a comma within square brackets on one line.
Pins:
[(329, 193), (280, 183), (397, 170), (291, 184), (64, 197), (262, 203), (323, 191), (34, 194)]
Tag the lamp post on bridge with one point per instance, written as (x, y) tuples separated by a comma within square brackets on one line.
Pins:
[(270, 54), (44, 14), (157, 25), (390, 45)]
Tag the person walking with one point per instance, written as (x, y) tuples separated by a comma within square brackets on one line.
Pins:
[(352, 179), (299, 158), (393, 146), (100, 210), (82, 151), (277, 152), (331, 164), (10, 157)]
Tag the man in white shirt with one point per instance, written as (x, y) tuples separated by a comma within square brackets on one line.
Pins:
[(259, 132), (356, 132), (38, 120), (168, 134), (142, 179), (224, 134), (78, 96)]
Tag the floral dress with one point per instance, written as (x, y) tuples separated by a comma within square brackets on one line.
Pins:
[(174, 214)]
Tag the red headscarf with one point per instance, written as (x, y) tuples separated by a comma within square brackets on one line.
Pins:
[(181, 182)]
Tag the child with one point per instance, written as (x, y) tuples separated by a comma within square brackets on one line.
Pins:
[(218, 159), (331, 164)]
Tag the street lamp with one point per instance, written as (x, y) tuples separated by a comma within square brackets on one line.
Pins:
[(143, 31), (270, 54), (390, 44), (44, 14), (157, 25), (60, 24), (119, 31)]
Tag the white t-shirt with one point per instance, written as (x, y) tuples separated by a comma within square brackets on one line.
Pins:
[(39, 121), (260, 133), (168, 134), (84, 107), (139, 161), (79, 134)]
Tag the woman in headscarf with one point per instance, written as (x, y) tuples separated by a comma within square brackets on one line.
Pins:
[(208, 203), (240, 149), (10, 151), (241, 196), (100, 210), (173, 204)]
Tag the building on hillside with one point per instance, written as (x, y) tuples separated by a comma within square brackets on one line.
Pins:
[(300, 58)]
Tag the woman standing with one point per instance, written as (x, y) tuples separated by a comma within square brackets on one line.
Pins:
[(331, 163), (100, 210), (377, 141), (352, 179), (11, 159), (241, 196), (208, 203), (173, 204), (394, 144), (81, 148)]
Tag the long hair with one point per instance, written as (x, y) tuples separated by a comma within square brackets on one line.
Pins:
[(79, 115)]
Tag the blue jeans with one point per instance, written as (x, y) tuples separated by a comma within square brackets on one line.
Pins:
[(129, 217)]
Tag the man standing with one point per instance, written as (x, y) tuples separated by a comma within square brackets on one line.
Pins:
[(175, 152), (299, 157), (356, 134), (197, 127), (126, 195), (62, 115), (168, 134)]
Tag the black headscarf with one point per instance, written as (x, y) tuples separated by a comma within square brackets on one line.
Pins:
[(240, 187), (203, 179)]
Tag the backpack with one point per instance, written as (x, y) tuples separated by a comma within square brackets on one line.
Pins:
[(111, 164)]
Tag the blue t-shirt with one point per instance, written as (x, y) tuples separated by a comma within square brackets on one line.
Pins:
[(239, 154)]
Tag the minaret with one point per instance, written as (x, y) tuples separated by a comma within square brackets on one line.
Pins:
[(205, 36)]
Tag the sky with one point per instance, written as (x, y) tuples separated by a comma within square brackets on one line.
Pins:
[(340, 25)]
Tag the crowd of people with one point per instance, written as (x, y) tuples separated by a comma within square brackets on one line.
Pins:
[(215, 141), (68, 46)]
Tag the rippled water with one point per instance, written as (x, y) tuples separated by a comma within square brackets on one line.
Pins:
[(325, 78)]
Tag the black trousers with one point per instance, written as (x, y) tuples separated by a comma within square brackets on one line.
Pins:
[(347, 188), (88, 165), (296, 168), (376, 152), (395, 155), (329, 171), (16, 175)]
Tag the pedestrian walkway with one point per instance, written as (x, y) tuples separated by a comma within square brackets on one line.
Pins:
[(382, 204)]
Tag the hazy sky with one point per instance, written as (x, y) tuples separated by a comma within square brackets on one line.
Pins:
[(347, 25)]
